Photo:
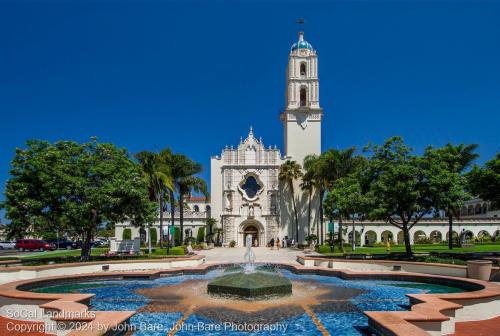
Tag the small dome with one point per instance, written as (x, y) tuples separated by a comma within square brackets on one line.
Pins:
[(302, 44)]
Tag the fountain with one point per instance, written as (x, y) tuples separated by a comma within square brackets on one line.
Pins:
[(249, 257), (250, 282)]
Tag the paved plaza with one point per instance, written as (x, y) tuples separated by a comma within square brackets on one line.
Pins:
[(262, 254)]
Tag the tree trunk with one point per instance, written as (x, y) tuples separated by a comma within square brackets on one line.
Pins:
[(353, 235), (181, 215), (341, 240), (86, 246), (172, 215), (450, 230), (309, 215), (406, 235), (149, 238), (321, 222), (161, 220), (295, 212)]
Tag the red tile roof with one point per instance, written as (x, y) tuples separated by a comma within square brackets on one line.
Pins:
[(196, 199)]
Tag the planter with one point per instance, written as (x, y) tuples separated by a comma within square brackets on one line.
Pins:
[(479, 269)]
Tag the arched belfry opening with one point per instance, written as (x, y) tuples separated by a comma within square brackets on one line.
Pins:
[(303, 71), (303, 97)]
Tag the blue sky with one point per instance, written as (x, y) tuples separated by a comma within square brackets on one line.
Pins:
[(194, 76)]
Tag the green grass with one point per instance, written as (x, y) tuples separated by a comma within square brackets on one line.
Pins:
[(157, 252), (57, 253), (325, 249)]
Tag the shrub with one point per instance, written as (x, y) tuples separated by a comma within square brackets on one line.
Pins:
[(232, 243), (127, 234), (311, 238), (153, 235), (189, 240), (177, 236), (177, 250), (200, 236)]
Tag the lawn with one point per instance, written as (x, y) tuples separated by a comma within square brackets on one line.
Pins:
[(325, 249), (158, 253), (58, 253)]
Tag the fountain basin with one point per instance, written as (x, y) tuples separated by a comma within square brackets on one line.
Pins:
[(253, 285)]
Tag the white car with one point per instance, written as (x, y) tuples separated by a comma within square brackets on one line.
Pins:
[(7, 245)]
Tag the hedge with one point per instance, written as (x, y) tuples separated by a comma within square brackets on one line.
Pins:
[(200, 236), (153, 235)]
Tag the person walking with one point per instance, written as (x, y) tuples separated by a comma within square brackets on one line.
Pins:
[(278, 243), (272, 243)]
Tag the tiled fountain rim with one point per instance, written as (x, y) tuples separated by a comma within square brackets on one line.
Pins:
[(427, 307)]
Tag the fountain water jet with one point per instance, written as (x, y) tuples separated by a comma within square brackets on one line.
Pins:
[(249, 257)]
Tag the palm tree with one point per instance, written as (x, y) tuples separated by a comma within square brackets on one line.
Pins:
[(158, 177), (313, 169), (184, 172), (308, 186), (290, 171)]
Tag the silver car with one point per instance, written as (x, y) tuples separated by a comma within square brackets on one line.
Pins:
[(7, 245)]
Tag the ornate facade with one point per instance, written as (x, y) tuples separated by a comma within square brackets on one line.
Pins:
[(245, 190)]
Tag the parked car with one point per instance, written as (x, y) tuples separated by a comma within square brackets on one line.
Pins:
[(7, 245), (65, 244), (34, 245), (99, 243)]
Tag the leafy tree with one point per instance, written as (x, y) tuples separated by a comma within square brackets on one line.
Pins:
[(335, 164), (75, 187), (485, 182), (346, 199), (289, 172), (396, 182), (105, 233), (446, 181)]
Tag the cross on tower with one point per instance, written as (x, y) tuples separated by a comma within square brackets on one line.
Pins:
[(301, 23)]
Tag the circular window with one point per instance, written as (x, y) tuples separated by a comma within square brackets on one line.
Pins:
[(251, 187)]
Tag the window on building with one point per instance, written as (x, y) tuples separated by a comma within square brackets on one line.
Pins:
[(196, 208), (303, 96), (251, 187), (303, 71), (478, 209)]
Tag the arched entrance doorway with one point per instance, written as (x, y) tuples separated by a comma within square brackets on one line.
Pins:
[(254, 232)]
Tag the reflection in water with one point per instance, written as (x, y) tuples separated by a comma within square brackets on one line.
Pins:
[(192, 295), (319, 304)]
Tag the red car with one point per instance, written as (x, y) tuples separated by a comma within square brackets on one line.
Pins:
[(34, 245)]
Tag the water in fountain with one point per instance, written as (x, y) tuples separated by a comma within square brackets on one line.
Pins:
[(249, 267)]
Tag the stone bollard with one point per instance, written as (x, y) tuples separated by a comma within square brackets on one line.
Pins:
[(479, 269)]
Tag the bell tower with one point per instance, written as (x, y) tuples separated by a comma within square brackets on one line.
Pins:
[(302, 115)]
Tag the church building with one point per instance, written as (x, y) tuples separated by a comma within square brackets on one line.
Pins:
[(247, 196)]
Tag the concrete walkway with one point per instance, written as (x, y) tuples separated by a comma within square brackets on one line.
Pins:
[(262, 254)]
